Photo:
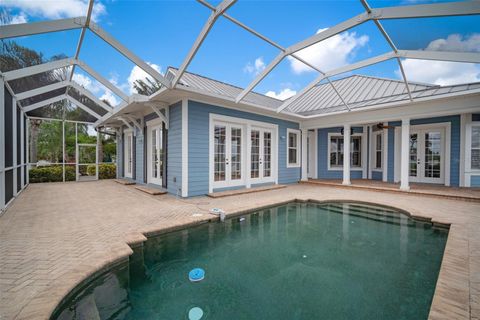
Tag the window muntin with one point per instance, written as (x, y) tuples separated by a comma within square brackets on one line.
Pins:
[(293, 148), (336, 151), (475, 148)]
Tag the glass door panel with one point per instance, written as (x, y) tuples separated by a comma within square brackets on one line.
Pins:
[(236, 153), (155, 155), (267, 154), (413, 154), (219, 153), (255, 154), (433, 155)]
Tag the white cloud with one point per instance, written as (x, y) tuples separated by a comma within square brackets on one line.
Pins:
[(284, 94), (329, 54), (110, 97), (256, 67), (96, 88), (19, 18), (56, 9), (92, 85), (138, 74), (445, 72)]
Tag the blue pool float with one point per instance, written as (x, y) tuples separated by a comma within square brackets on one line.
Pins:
[(197, 274)]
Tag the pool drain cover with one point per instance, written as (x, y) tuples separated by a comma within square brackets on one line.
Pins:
[(197, 274), (195, 314)]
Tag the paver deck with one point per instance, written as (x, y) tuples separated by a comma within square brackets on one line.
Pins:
[(57, 234)]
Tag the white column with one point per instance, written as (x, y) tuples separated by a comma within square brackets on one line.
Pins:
[(304, 155), (346, 154), (385, 153), (404, 155)]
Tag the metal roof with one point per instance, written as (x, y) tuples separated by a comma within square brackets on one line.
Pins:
[(359, 91), (216, 87)]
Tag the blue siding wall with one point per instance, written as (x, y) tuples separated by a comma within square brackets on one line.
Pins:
[(322, 156), (377, 175), (174, 145), (475, 181), (198, 144)]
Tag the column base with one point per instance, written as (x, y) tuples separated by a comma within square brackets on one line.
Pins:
[(346, 183), (405, 188)]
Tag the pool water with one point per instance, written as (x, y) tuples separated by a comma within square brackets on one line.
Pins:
[(297, 261)]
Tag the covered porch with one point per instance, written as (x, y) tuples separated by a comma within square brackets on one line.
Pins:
[(418, 189)]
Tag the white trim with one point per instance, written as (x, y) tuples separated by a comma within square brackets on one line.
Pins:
[(370, 151), (398, 149), (304, 160), (364, 147), (405, 156), (298, 133), (373, 151), (385, 154), (464, 119), (313, 154), (184, 148), (340, 168)]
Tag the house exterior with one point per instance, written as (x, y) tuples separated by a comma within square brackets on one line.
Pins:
[(195, 139)]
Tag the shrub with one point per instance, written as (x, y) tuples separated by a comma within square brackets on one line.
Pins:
[(105, 170), (51, 174)]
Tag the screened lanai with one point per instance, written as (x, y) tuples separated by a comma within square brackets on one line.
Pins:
[(47, 97)]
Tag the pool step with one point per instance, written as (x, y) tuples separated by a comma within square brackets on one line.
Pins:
[(367, 210), (372, 216)]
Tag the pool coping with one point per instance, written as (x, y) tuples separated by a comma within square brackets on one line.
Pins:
[(450, 299)]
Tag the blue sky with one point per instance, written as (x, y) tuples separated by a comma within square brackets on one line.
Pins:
[(162, 32)]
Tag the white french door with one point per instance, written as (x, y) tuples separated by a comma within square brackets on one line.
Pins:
[(155, 152), (228, 155), (128, 154), (261, 155), (427, 155)]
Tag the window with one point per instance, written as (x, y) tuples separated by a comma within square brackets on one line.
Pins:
[(336, 151), (475, 149), (377, 150), (293, 148)]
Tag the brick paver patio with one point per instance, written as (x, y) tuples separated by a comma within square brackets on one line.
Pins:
[(55, 235)]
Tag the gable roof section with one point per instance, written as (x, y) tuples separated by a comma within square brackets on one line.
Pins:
[(211, 86), (359, 91), (364, 91)]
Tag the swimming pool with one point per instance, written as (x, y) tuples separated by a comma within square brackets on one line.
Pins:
[(296, 261)]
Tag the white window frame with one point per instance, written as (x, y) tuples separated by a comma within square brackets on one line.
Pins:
[(340, 168), (375, 150), (468, 151), (298, 148)]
